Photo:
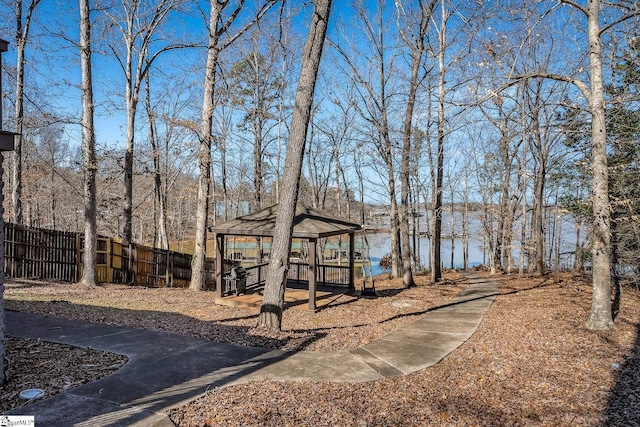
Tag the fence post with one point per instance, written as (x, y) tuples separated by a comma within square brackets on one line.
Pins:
[(109, 260), (169, 271), (78, 257), (133, 262)]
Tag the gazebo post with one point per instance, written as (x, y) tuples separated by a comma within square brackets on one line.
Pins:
[(312, 274), (219, 263), (352, 267)]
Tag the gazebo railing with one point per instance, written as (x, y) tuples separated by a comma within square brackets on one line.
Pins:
[(256, 275), (331, 275)]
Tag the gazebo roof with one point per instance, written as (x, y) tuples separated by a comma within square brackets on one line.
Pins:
[(309, 223)]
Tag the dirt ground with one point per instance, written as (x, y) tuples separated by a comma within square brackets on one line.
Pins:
[(531, 361)]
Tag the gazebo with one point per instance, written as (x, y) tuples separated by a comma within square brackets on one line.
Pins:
[(308, 223)]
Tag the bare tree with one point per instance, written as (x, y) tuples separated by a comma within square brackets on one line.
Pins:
[(160, 200), (90, 164), (501, 116), (417, 43), (373, 83), (336, 123), (23, 26), (218, 40), (138, 22), (273, 300), (600, 316), (543, 141), (256, 81), (436, 268), (319, 163), (50, 154)]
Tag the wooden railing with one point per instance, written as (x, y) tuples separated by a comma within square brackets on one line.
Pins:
[(333, 275), (256, 275)]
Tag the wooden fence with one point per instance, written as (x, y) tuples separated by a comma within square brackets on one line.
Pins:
[(36, 253)]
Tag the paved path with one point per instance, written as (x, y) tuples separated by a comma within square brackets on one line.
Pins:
[(166, 370)]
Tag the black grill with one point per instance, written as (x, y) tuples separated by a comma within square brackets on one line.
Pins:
[(236, 280)]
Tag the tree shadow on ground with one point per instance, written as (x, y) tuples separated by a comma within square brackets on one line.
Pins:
[(623, 408), (176, 323), (416, 313)]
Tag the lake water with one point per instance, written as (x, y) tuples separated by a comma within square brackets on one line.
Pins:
[(380, 243)]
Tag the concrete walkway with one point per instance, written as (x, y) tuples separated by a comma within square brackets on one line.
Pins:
[(167, 370)]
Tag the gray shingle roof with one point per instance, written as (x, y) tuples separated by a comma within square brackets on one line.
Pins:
[(308, 223)]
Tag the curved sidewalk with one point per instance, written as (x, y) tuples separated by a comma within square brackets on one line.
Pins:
[(166, 370)]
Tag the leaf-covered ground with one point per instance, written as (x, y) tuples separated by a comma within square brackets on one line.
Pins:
[(531, 361), (51, 367)]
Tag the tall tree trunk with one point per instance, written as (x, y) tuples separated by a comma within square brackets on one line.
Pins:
[(405, 173), (131, 99), (523, 172), (453, 229), (204, 154), (90, 163), (223, 178), (539, 214), (160, 209), (415, 203), (138, 32), (258, 130), (388, 158), (127, 230), (600, 316), (273, 300), (23, 25), (257, 168), (216, 29), (504, 197), (16, 193), (531, 258), (436, 271), (393, 214), (577, 258), (465, 231)]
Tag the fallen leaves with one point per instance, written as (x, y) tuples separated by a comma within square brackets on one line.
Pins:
[(519, 369), (51, 367)]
